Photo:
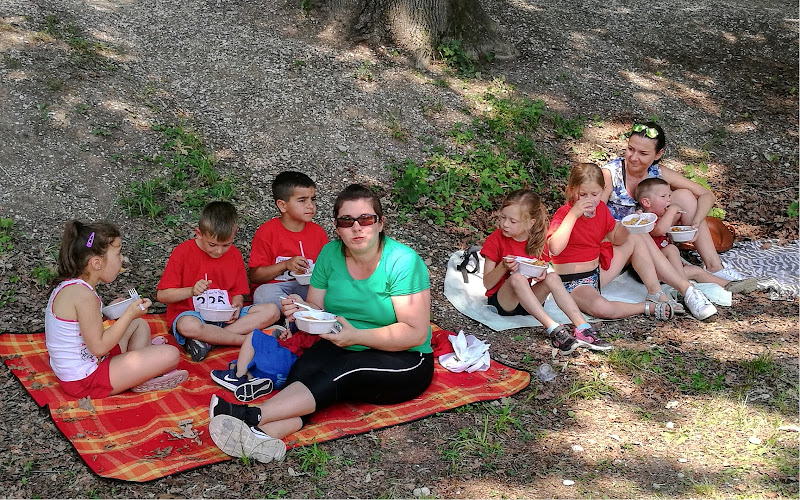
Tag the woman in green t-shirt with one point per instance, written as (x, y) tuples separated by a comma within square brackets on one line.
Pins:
[(380, 292)]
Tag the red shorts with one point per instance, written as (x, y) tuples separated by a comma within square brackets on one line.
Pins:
[(98, 384)]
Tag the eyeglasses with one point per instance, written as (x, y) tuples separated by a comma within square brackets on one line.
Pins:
[(648, 131), (363, 220)]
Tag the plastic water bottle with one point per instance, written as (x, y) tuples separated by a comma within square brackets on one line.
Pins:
[(545, 372)]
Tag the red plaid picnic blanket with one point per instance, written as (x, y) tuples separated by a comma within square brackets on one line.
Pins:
[(145, 436)]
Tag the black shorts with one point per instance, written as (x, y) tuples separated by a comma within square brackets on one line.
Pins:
[(518, 311), (371, 376)]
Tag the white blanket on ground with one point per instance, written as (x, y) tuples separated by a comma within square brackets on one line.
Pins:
[(470, 299)]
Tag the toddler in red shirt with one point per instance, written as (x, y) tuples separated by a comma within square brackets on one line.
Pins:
[(654, 195)]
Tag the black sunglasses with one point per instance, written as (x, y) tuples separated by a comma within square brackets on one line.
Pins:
[(363, 220)]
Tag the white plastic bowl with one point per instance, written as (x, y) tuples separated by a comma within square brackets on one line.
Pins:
[(640, 223), (679, 234), (315, 322), (531, 268), (303, 279), (216, 315), (114, 311)]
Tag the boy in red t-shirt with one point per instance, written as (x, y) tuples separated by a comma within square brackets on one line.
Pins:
[(209, 265), (654, 195), (286, 244)]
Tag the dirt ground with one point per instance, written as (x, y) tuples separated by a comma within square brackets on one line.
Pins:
[(683, 409)]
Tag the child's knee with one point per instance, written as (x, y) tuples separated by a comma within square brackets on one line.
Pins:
[(265, 310), (553, 279), (189, 326)]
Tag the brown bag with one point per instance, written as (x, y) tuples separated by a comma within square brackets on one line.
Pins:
[(721, 233)]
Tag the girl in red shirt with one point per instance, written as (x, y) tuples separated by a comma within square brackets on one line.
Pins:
[(521, 233), (589, 249)]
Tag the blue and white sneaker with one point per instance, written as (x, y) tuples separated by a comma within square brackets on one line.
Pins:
[(227, 378)]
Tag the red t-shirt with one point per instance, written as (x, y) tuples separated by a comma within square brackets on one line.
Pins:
[(188, 263), (660, 241), (273, 243), (498, 246), (586, 240)]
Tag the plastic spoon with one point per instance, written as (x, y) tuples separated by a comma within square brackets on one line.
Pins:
[(300, 304)]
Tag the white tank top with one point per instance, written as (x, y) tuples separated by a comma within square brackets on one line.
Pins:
[(70, 359)]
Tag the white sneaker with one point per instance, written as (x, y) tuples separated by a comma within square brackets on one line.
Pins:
[(236, 439), (728, 273), (698, 304)]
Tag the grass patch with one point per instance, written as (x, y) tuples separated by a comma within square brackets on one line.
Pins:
[(760, 366), (188, 181), (83, 51), (594, 388), (491, 155), (6, 240), (471, 442), (314, 459)]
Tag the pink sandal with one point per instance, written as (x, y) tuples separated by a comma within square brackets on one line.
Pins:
[(158, 340), (169, 380)]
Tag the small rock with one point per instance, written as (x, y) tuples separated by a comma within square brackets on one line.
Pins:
[(670, 425), (577, 448), (657, 486), (341, 148), (615, 437), (754, 440), (425, 491), (417, 492), (680, 475), (682, 460), (568, 482), (671, 404)]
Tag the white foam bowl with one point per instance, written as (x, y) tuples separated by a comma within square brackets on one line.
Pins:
[(680, 234), (216, 315), (639, 223), (303, 279), (115, 310), (529, 268), (315, 322)]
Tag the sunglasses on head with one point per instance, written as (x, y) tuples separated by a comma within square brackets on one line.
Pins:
[(363, 220), (648, 131)]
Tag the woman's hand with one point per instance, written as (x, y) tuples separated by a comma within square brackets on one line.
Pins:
[(289, 305), (346, 337)]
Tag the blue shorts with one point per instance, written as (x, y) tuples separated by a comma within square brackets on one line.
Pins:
[(271, 360), (182, 340), (590, 278)]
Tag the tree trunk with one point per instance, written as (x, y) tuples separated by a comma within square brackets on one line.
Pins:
[(420, 26)]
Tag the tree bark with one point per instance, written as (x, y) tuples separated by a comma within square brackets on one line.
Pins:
[(419, 26)]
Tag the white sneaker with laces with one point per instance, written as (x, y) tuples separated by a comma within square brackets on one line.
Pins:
[(728, 273), (235, 438), (698, 304)]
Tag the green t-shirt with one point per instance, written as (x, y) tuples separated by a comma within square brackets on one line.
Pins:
[(367, 303)]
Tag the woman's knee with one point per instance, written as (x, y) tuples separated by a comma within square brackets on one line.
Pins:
[(686, 199)]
